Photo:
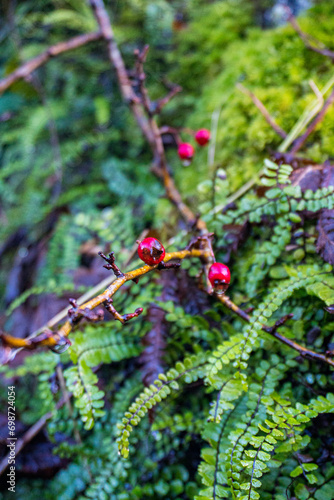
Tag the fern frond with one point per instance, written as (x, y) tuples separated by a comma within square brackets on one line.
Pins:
[(94, 346), (188, 371), (285, 419)]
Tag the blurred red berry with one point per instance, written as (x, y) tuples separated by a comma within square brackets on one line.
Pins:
[(186, 151), (202, 136), (151, 251), (219, 277)]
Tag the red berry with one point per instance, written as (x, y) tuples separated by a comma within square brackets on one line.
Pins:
[(186, 151), (151, 251), (202, 136), (219, 277)]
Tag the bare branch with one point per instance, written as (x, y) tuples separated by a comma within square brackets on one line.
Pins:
[(160, 103), (148, 125), (303, 351), (126, 317), (29, 435), (116, 60), (317, 119), (52, 339), (27, 68), (307, 40), (263, 110)]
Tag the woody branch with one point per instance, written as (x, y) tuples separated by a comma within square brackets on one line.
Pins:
[(50, 339), (30, 66), (143, 112)]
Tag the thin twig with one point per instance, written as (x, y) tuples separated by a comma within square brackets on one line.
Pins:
[(116, 60), (160, 103), (317, 119), (27, 68), (148, 125), (51, 339), (306, 39), (263, 110), (29, 435), (303, 351)]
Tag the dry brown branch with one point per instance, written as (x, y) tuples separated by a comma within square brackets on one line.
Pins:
[(51, 339), (29, 435), (117, 62), (307, 40), (174, 89), (263, 110), (303, 351), (147, 124), (316, 120), (55, 50)]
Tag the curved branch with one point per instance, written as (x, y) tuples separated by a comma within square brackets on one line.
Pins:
[(28, 67), (51, 339), (263, 110), (306, 39), (303, 351), (317, 119)]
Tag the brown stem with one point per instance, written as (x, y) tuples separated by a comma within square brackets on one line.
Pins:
[(29, 435), (263, 110), (116, 60), (138, 107), (27, 68), (306, 39), (317, 119), (51, 339), (165, 100), (303, 351), (126, 317)]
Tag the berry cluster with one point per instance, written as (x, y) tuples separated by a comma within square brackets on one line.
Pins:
[(186, 151), (152, 252)]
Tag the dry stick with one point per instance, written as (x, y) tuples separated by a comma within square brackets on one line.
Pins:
[(306, 39), (27, 68), (263, 110), (116, 59), (165, 100), (29, 435), (303, 351), (299, 142), (148, 126)]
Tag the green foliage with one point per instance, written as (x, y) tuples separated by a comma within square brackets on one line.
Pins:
[(187, 371), (95, 346)]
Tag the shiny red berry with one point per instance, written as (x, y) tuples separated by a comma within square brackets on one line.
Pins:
[(151, 251), (186, 151), (219, 277), (202, 136)]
